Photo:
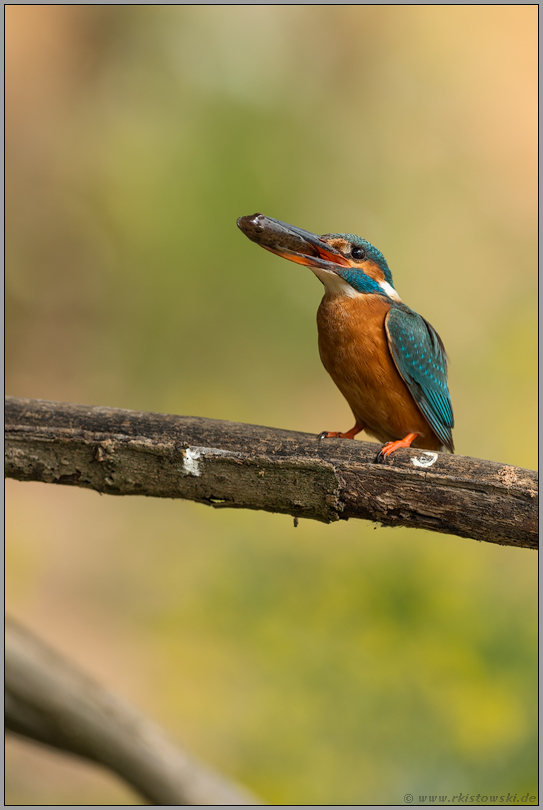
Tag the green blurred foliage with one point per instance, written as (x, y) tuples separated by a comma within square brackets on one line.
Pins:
[(332, 663)]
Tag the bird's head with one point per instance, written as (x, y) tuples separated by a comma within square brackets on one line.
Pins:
[(346, 264)]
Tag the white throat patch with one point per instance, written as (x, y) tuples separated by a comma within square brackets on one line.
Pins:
[(334, 284)]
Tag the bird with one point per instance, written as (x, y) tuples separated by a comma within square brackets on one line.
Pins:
[(388, 361)]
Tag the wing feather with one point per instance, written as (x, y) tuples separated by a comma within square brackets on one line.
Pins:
[(420, 358)]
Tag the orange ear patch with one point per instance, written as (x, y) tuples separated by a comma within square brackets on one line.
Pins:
[(372, 270)]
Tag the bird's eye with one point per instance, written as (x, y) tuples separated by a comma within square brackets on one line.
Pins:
[(358, 252)]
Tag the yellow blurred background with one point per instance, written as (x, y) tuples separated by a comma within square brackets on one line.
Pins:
[(338, 664)]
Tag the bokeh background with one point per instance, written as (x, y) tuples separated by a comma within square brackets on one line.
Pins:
[(328, 664)]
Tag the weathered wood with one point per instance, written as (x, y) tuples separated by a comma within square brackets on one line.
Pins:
[(51, 701), (228, 464)]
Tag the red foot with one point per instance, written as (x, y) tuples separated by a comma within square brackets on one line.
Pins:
[(391, 447), (349, 435)]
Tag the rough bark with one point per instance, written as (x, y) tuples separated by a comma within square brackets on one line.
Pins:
[(227, 464), (51, 701)]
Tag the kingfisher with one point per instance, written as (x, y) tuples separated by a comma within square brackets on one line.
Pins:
[(388, 362)]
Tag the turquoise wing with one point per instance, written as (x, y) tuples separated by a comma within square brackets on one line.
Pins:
[(420, 358)]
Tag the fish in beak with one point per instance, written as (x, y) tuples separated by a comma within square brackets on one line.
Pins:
[(292, 243)]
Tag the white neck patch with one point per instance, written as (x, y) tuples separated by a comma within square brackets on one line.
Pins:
[(389, 290)]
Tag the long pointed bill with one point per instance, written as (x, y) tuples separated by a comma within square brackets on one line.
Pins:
[(292, 243)]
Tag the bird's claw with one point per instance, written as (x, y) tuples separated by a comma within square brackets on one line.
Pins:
[(381, 455), (386, 450), (326, 434), (335, 434), (391, 447)]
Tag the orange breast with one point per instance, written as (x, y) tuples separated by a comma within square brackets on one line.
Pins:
[(354, 349)]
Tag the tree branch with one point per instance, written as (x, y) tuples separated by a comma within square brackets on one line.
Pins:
[(227, 464), (49, 700)]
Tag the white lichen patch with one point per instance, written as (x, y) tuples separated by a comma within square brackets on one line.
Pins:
[(427, 459), (192, 456), (190, 461)]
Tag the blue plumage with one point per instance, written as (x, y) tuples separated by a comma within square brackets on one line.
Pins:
[(359, 281), (420, 358)]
